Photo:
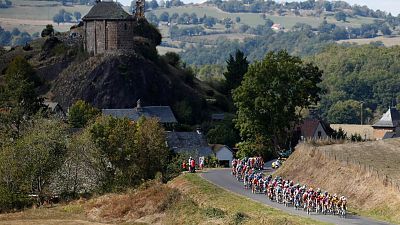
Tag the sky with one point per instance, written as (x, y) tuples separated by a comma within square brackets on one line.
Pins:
[(392, 6)]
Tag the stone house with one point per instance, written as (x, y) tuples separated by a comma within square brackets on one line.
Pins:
[(108, 27), (388, 126)]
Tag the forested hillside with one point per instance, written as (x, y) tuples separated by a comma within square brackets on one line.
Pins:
[(356, 75)]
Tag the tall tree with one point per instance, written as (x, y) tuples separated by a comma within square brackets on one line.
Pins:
[(18, 97), (270, 100), (236, 68)]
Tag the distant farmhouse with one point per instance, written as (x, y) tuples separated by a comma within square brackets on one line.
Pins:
[(388, 126), (108, 27), (163, 113)]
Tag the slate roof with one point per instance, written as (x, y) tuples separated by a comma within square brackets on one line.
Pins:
[(189, 142), (163, 113), (390, 119), (390, 135), (218, 147), (107, 10), (218, 116)]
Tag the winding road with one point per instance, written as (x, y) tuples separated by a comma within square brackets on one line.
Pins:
[(223, 178)]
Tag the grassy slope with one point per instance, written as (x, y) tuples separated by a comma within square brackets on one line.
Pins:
[(32, 16), (188, 199), (208, 196), (254, 19), (368, 194)]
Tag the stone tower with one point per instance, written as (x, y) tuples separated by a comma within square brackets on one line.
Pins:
[(108, 27)]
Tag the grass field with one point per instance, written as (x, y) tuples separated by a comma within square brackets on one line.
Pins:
[(387, 41), (33, 16), (254, 19)]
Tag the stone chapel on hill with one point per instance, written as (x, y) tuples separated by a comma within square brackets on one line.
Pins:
[(108, 27)]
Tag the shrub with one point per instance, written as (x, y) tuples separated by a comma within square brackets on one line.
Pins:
[(214, 212)]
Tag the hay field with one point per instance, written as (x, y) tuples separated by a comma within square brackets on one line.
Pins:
[(366, 131), (367, 173), (387, 41)]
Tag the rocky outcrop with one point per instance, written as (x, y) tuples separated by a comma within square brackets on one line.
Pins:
[(118, 80)]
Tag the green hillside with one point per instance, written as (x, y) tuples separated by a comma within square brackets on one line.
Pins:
[(254, 19)]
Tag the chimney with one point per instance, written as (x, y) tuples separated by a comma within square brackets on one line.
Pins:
[(139, 105)]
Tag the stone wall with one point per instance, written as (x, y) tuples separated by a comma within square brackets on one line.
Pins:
[(108, 35), (125, 35)]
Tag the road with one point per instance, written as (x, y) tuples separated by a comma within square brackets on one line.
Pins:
[(223, 178)]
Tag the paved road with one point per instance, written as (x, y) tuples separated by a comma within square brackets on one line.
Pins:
[(223, 178)]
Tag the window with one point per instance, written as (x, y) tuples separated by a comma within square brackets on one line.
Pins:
[(319, 134), (126, 26)]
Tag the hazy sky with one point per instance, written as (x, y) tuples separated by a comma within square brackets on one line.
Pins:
[(392, 6)]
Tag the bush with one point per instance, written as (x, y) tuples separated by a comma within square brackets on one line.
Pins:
[(214, 212), (146, 48)]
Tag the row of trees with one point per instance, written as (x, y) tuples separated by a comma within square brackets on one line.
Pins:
[(41, 156), (317, 6), (66, 17), (5, 4), (184, 19), (15, 37)]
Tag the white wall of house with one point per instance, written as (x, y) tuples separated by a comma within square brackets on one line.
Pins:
[(225, 154), (320, 130)]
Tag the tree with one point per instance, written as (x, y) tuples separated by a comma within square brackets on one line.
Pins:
[(236, 68), (133, 152), (164, 17), (77, 15), (83, 167), (347, 112), (15, 32), (173, 59), (67, 17), (18, 93), (58, 18), (238, 19), (27, 165), (224, 132), (161, 4), (153, 4), (270, 101), (48, 31), (341, 16), (81, 113)]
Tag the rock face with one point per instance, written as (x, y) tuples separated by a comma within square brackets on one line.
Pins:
[(118, 80)]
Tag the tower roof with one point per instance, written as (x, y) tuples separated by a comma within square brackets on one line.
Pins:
[(390, 119), (107, 10)]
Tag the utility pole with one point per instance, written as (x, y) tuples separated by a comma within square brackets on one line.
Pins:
[(362, 112)]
